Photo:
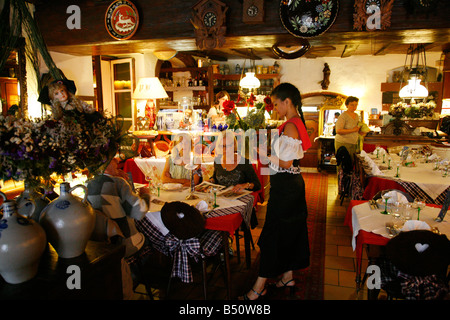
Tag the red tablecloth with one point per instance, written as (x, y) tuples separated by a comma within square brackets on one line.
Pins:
[(136, 173), (376, 184)]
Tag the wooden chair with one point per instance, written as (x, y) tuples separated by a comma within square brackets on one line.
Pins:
[(415, 266)]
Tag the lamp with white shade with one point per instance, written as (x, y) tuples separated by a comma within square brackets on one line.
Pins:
[(250, 81), (149, 89), (414, 89)]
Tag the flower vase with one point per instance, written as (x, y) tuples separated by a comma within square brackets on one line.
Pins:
[(68, 222), (22, 243), (24, 205)]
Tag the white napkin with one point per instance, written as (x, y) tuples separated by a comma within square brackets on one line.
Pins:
[(363, 153), (415, 225), (395, 196), (433, 156), (202, 206), (155, 219)]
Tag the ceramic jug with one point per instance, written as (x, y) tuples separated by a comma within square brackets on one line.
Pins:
[(24, 203), (68, 222), (22, 243)]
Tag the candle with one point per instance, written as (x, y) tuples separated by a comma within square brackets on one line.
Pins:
[(192, 158)]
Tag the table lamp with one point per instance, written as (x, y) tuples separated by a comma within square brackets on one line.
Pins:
[(149, 89)]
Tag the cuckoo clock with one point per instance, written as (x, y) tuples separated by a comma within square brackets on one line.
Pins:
[(209, 21)]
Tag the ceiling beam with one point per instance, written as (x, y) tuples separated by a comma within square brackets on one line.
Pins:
[(349, 50), (248, 54), (383, 49)]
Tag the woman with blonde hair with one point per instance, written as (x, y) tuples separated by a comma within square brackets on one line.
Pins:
[(60, 95)]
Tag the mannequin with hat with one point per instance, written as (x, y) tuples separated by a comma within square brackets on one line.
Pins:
[(60, 95)]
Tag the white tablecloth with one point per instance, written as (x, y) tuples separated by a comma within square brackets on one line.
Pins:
[(423, 175), (156, 166), (364, 218)]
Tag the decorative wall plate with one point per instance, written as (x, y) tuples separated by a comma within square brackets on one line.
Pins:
[(121, 19), (308, 18)]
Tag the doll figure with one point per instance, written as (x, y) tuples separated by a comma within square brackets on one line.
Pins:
[(60, 95)]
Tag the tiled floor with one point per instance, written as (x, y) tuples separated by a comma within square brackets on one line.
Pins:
[(340, 259)]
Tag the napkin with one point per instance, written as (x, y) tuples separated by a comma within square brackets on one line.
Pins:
[(415, 225), (395, 196), (202, 206), (155, 218), (433, 156), (363, 154)]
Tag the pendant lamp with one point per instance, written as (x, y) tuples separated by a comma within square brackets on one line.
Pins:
[(250, 81), (417, 67)]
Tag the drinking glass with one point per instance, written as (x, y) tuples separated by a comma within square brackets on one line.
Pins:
[(397, 174), (419, 204), (396, 213), (407, 211), (385, 198)]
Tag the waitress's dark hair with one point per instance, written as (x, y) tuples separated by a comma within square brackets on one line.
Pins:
[(287, 90)]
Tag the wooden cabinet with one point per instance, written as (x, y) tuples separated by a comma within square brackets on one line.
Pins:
[(9, 93), (196, 80)]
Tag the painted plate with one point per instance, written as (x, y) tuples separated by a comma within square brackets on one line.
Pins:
[(121, 19), (308, 18)]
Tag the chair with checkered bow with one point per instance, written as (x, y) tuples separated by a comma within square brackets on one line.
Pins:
[(188, 240)]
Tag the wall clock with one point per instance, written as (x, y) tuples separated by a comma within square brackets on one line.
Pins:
[(253, 11), (209, 21), (121, 19)]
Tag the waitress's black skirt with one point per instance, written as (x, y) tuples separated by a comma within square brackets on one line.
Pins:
[(284, 241)]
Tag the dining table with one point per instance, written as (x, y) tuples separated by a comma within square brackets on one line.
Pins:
[(140, 167), (226, 217), (368, 227), (420, 178)]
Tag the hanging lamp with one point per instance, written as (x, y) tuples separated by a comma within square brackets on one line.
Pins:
[(414, 89), (250, 81)]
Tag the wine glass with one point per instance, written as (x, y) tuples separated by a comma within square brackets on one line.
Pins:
[(385, 198), (420, 204)]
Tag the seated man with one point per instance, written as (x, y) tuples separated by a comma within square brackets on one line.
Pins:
[(113, 196)]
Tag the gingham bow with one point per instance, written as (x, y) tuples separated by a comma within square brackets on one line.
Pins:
[(181, 250)]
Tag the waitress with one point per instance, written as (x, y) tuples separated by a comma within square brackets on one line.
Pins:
[(348, 127)]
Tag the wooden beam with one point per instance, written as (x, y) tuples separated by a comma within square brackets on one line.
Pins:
[(382, 50), (349, 50), (248, 54), (98, 80)]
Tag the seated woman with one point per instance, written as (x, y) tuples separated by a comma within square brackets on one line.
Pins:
[(175, 171), (232, 169)]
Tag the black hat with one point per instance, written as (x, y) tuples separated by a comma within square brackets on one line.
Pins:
[(182, 220), (44, 97)]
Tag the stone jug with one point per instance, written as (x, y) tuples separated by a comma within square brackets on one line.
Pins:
[(68, 222), (24, 203), (22, 243)]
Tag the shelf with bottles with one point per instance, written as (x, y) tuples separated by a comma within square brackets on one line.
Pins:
[(192, 79)]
